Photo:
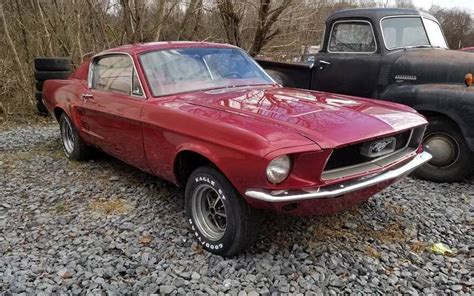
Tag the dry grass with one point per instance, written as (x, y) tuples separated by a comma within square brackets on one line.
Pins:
[(418, 247), (61, 208), (333, 229), (26, 118), (11, 158), (372, 252), (397, 209), (145, 239), (197, 248), (51, 149), (390, 234), (115, 206)]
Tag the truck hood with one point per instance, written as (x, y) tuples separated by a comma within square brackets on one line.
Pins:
[(431, 65), (329, 120)]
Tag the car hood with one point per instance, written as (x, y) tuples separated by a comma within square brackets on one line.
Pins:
[(432, 65), (329, 120)]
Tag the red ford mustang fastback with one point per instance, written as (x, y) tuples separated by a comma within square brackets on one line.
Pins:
[(208, 118)]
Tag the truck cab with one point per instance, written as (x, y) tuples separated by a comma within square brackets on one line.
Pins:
[(398, 55)]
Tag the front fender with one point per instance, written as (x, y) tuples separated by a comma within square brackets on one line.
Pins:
[(455, 101)]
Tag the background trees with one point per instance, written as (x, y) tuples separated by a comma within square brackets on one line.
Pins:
[(457, 26), (78, 28)]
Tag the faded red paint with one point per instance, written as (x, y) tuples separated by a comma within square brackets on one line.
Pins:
[(240, 129)]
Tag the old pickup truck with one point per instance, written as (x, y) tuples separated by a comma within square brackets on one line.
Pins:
[(398, 55)]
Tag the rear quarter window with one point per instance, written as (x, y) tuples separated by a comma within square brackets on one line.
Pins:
[(113, 74)]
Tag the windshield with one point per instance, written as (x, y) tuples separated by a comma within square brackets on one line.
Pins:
[(190, 69), (400, 32), (435, 34)]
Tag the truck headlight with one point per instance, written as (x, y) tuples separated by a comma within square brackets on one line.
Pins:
[(278, 169)]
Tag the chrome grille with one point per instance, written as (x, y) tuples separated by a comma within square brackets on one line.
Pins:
[(349, 160)]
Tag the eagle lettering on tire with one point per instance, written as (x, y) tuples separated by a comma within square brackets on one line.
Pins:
[(220, 219)]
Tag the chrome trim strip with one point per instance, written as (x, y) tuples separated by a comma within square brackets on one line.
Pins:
[(338, 189), (352, 52)]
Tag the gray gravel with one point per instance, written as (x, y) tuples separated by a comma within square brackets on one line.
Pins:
[(102, 226)]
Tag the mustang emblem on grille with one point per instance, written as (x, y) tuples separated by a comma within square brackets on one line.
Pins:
[(378, 147)]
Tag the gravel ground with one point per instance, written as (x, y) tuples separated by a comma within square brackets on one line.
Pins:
[(102, 226)]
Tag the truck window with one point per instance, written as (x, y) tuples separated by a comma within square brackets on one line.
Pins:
[(435, 33), (352, 37), (399, 32)]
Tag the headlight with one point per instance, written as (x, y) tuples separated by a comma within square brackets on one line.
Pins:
[(278, 169)]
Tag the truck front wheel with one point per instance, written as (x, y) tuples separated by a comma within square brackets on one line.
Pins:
[(220, 219), (452, 159)]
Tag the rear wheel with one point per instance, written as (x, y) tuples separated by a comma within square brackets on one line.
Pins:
[(74, 147), (221, 220), (452, 159)]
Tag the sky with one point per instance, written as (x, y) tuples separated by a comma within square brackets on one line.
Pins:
[(462, 4)]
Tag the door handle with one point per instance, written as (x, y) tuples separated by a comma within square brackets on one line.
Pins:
[(86, 97), (323, 63)]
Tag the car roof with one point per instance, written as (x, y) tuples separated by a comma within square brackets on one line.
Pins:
[(375, 14), (139, 48)]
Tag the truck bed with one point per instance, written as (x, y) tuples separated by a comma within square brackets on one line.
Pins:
[(298, 75)]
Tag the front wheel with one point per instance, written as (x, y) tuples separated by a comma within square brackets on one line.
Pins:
[(220, 219), (452, 159)]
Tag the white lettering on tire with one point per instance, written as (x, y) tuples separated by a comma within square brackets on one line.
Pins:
[(202, 241)]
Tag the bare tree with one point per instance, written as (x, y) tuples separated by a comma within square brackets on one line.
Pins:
[(231, 19), (457, 25), (280, 29), (45, 27), (267, 16), (194, 7), (404, 3), (12, 47)]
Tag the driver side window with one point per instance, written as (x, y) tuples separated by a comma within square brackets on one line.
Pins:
[(352, 37), (115, 74)]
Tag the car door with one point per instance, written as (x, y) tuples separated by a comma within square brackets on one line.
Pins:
[(112, 108), (350, 62)]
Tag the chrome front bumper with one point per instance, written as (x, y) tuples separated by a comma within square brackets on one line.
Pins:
[(339, 189)]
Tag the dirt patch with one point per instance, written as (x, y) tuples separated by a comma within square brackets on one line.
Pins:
[(115, 206)]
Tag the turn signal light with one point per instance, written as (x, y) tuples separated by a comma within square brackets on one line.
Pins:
[(468, 79)]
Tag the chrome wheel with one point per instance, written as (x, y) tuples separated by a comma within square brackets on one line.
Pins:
[(67, 136), (444, 148), (209, 212)]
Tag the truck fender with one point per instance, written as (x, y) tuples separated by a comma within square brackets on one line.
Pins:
[(455, 101)]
